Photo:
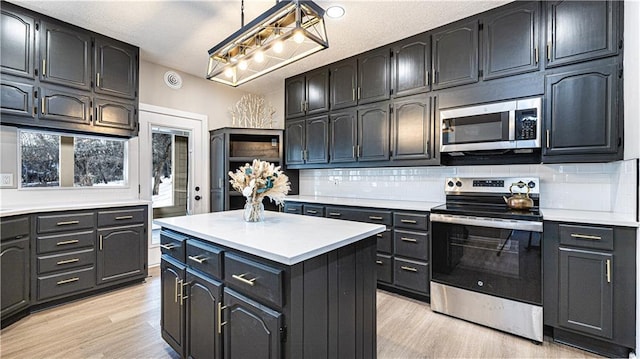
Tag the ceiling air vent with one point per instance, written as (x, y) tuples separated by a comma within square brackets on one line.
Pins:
[(173, 80)]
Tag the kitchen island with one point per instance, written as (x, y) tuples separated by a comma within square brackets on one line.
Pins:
[(290, 286)]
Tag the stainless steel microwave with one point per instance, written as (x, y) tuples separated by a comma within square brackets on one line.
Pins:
[(504, 125)]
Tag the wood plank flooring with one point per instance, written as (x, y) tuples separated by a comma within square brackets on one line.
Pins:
[(126, 324)]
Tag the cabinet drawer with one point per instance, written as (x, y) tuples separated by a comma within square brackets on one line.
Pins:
[(293, 208), (411, 244), (121, 217), (586, 236), (205, 258), (385, 243), (64, 242), (254, 279), (14, 228), (66, 260), (65, 222), (419, 221), (411, 274), (360, 215), (66, 283), (384, 267), (313, 210), (172, 244)]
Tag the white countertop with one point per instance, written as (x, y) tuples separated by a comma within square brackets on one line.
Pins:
[(281, 237), (590, 217), (367, 202), (51, 207)]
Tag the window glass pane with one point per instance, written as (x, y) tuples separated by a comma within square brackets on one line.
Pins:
[(162, 195), (40, 159), (98, 162)]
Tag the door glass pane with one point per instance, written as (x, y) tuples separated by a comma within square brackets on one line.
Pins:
[(162, 179)]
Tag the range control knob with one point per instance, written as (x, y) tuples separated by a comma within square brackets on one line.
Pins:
[(531, 184), (458, 184), (450, 183)]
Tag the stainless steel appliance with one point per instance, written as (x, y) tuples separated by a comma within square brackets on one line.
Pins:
[(486, 257), (508, 125)]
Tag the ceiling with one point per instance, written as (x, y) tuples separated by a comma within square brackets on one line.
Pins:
[(178, 34)]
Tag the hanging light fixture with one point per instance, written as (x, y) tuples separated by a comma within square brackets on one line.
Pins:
[(285, 33)]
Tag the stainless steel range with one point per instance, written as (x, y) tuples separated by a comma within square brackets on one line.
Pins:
[(486, 257)]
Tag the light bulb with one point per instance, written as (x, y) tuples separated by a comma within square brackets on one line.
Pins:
[(298, 36), (242, 65), (258, 56), (229, 72), (278, 46)]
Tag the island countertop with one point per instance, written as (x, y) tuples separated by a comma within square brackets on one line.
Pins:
[(281, 237)]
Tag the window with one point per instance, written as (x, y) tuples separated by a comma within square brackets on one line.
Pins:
[(61, 160)]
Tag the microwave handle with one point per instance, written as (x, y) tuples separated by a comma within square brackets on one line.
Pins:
[(512, 125)]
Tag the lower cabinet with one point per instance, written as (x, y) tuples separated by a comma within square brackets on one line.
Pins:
[(121, 253), (14, 265), (202, 332), (172, 275)]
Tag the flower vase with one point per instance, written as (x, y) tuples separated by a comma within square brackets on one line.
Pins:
[(253, 211)]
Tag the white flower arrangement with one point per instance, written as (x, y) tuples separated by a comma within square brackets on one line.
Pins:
[(260, 179)]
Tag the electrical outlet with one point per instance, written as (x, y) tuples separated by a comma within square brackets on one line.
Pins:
[(6, 179)]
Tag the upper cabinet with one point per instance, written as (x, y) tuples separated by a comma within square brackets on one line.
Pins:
[(307, 94), (116, 68), (455, 54), (65, 56), (411, 65), (343, 84), (17, 44), (374, 82), (412, 121), (510, 40), (582, 30)]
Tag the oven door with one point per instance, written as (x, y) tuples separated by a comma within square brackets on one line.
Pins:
[(493, 256)]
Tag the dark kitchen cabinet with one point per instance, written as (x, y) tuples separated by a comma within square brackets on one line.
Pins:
[(172, 319), (116, 68), (455, 54), (374, 76), (307, 94), (121, 253), (589, 280), (582, 115), (344, 134), (294, 138), (14, 265), (115, 114), (411, 65), (17, 44), (511, 38), (217, 173), (17, 100), (412, 121), (582, 30), (294, 96), (307, 141), (373, 132), (343, 84), (64, 105), (65, 56), (204, 295)]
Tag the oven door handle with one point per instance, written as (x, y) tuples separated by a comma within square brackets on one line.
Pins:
[(487, 222)]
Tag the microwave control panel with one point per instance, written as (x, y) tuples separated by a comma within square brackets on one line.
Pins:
[(526, 125)]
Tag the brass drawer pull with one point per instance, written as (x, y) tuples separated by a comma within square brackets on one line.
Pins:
[(198, 259), (220, 322), (406, 239), (585, 236), (70, 280), (182, 296), (608, 270), (409, 221), (379, 262), (101, 238), (376, 218), (410, 269), (169, 246), (242, 279), (312, 211), (292, 209), (175, 290), (67, 261), (71, 241), (67, 223), (120, 218), (379, 235), (336, 214)]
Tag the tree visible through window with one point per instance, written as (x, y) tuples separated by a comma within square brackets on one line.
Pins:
[(40, 154), (162, 194), (98, 162)]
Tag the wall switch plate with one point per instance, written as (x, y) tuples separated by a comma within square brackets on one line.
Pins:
[(6, 179)]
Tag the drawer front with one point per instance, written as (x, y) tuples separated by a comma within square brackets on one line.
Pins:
[(14, 228), (121, 217), (173, 244), (65, 261), (384, 267), (293, 208), (66, 283), (411, 274), (411, 244), (205, 258), (417, 221), (254, 279), (360, 215), (65, 242), (385, 242), (586, 236), (313, 210), (65, 222)]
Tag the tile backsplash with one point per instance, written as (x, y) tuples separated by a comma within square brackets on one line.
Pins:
[(609, 187)]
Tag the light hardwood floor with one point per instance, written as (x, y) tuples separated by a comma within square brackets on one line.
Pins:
[(126, 324)]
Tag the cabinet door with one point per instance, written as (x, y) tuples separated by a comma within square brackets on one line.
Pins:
[(455, 55), (343, 84), (248, 320), (121, 253), (295, 145), (116, 68), (317, 91), (373, 132), (412, 124), (17, 44), (585, 293), (581, 30), (202, 337), (16, 100), (581, 112), (294, 100), (14, 269), (374, 76), (218, 173), (411, 65), (172, 319), (511, 41), (68, 105), (65, 56), (317, 139), (115, 114), (343, 136)]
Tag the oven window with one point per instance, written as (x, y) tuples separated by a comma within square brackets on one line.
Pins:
[(493, 127), (501, 262)]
